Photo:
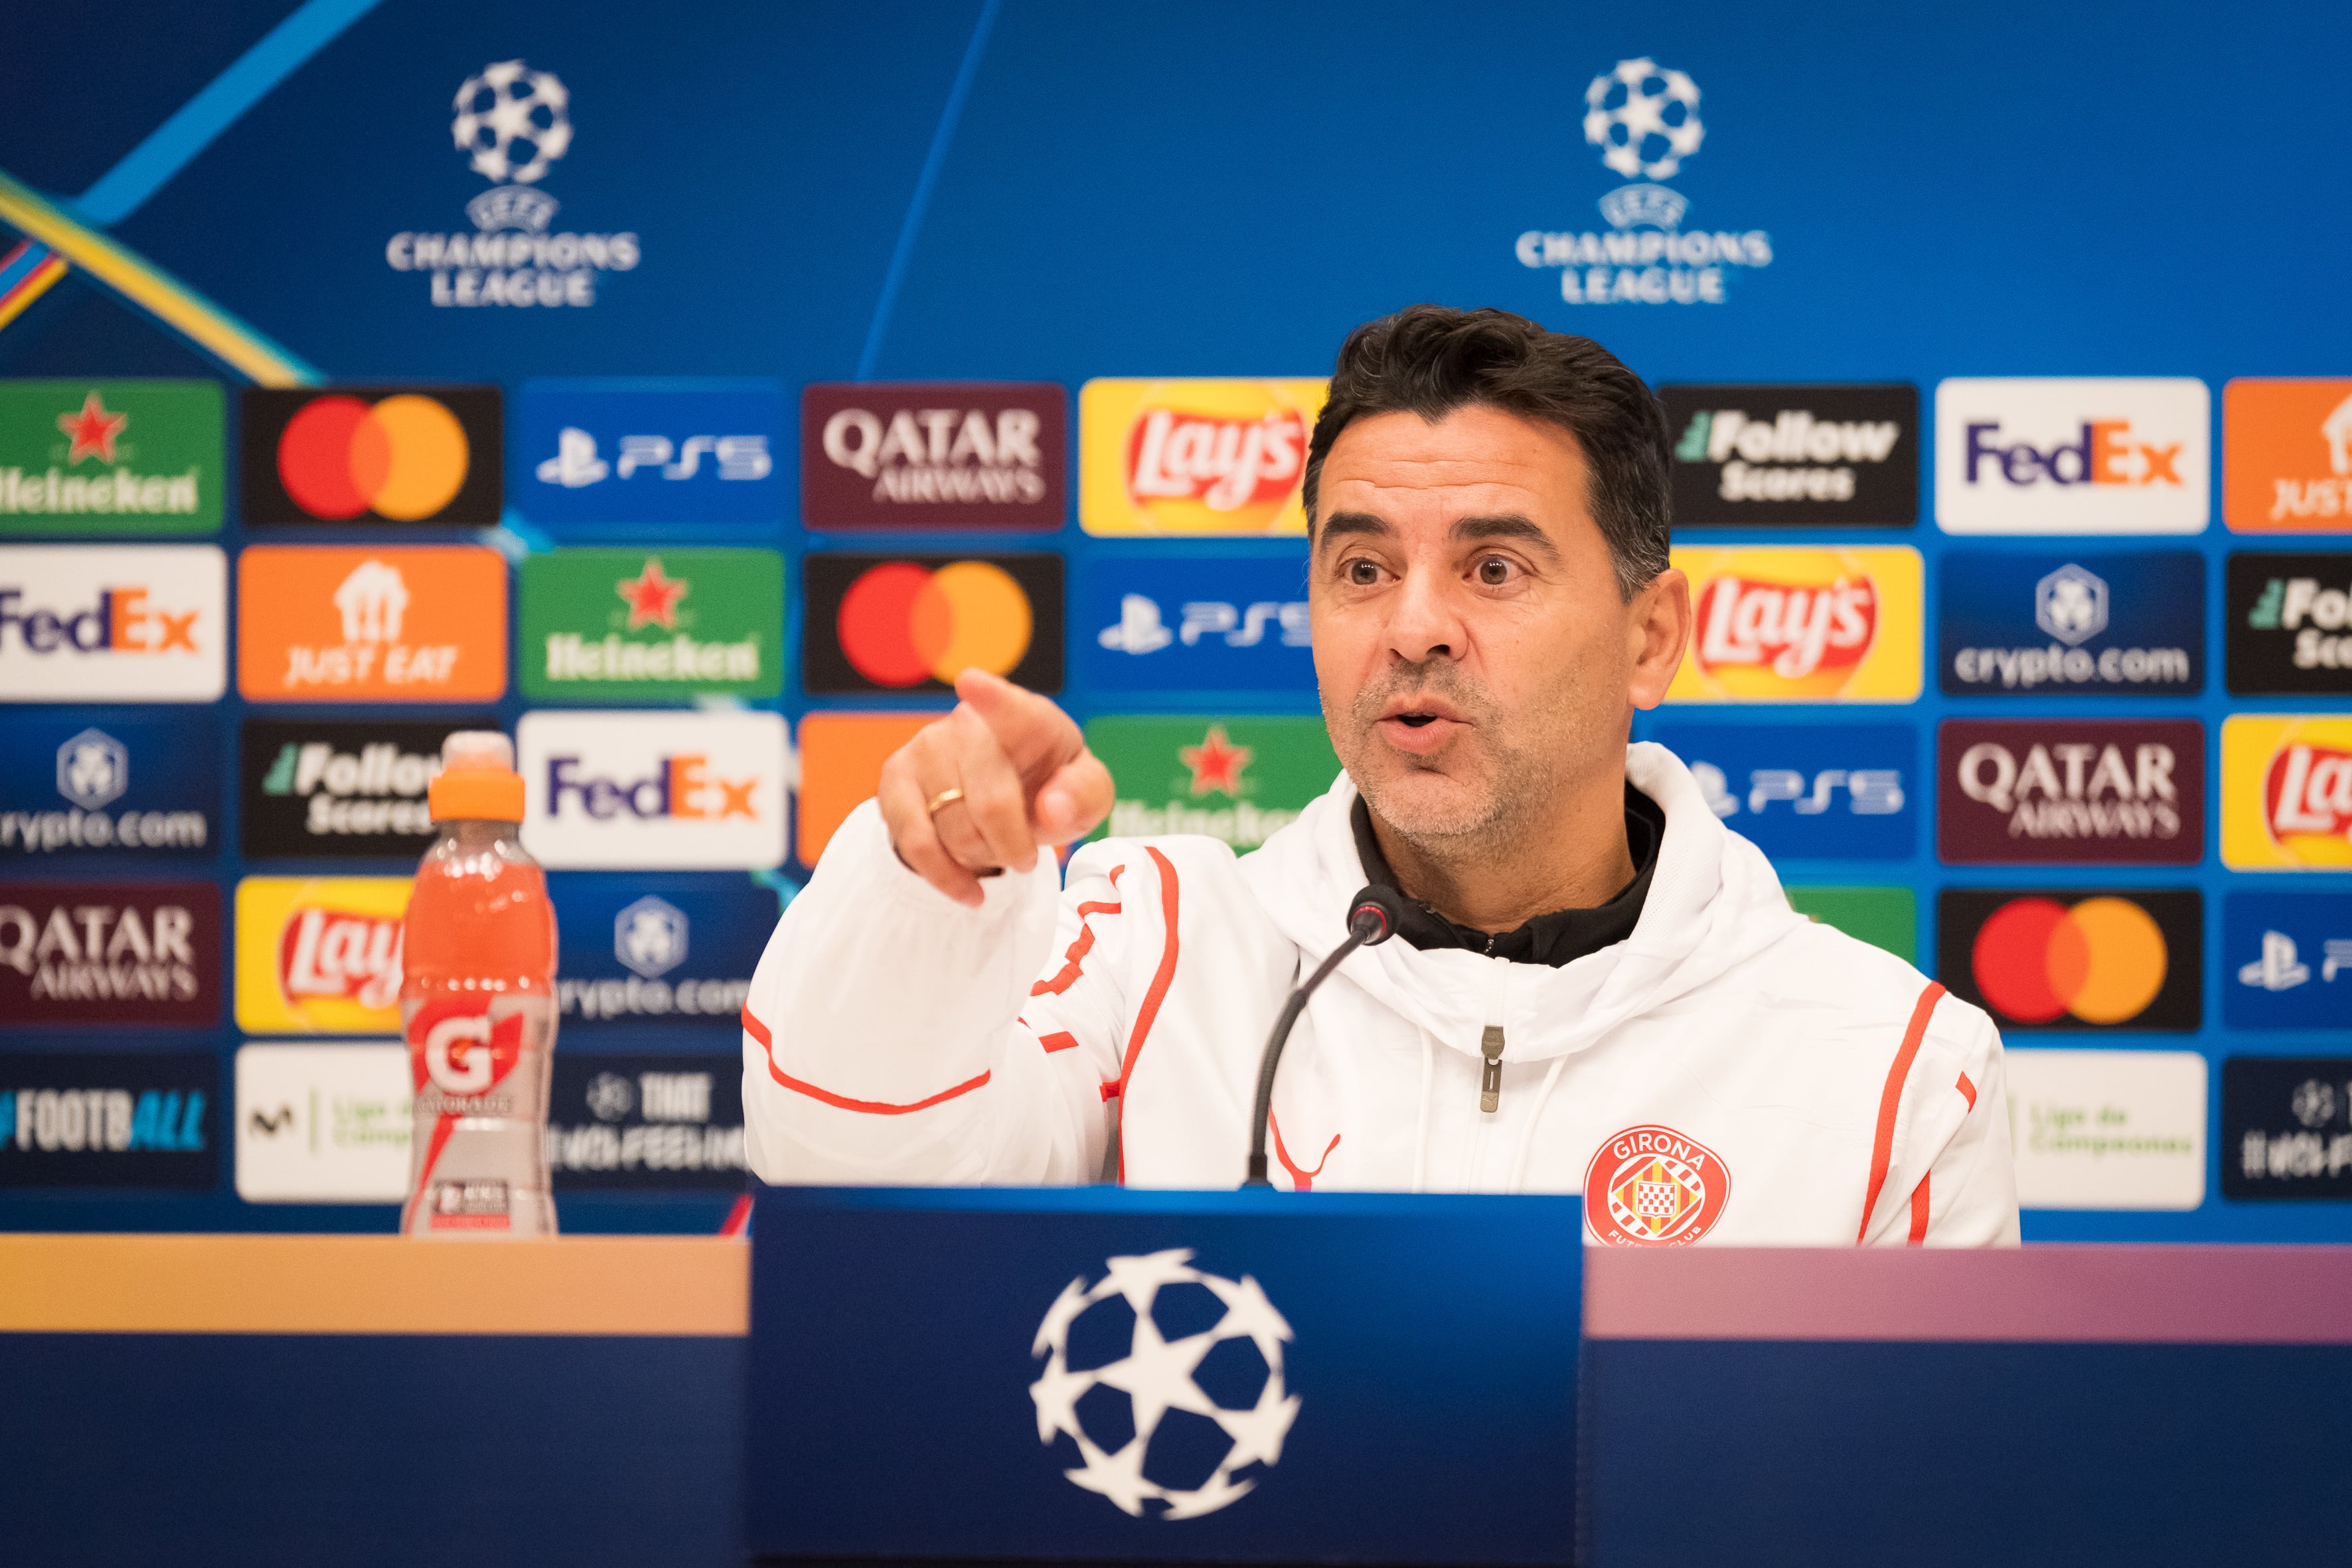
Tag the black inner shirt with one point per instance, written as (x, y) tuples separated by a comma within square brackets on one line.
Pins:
[(1560, 937)]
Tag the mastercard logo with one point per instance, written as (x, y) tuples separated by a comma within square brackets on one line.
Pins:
[(404, 458), (2101, 961), (902, 623)]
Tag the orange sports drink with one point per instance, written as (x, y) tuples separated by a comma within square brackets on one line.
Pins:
[(478, 1006)]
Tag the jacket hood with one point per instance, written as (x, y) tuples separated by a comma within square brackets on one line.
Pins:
[(1714, 903)]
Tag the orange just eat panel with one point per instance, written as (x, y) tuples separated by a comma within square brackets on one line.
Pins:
[(1800, 624), (420, 623), (841, 758), (2286, 456)]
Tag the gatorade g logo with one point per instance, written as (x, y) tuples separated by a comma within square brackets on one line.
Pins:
[(2286, 792), (455, 1046), (390, 453), (1651, 1186), (1194, 457), (875, 624), (1791, 624), (2068, 960)]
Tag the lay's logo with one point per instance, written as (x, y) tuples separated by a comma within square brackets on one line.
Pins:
[(320, 955), (2286, 792), (1194, 457), (1792, 625)]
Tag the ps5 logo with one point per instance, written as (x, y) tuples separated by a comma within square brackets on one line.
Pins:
[(1869, 792), (2280, 966), (577, 463), (1140, 630)]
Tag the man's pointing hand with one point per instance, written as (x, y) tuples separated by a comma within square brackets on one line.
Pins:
[(1025, 777)]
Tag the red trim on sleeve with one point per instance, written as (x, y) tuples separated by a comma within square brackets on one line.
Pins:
[(1300, 1181), (1965, 1087), (1919, 1211), (1060, 1040), (759, 1032), (1881, 1143), (1148, 1011), (1082, 945), (1110, 1089)]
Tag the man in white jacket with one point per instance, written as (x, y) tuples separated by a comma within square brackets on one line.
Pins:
[(1595, 986)]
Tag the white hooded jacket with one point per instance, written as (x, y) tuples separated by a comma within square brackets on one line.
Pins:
[(1731, 1072)]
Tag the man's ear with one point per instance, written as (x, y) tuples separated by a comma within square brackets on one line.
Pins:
[(1658, 629)]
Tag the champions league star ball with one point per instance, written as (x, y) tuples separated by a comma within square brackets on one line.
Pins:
[(1167, 1385), (1645, 119), (509, 110)]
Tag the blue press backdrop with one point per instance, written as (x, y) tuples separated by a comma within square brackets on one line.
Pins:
[(961, 190)]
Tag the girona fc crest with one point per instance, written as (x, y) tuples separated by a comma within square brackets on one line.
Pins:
[(1651, 1186)]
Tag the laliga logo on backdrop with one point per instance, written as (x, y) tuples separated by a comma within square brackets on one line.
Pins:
[(1645, 118), (513, 123), (1194, 1365)]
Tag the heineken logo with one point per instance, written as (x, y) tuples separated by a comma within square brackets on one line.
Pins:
[(111, 457), (1236, 779), (632, 624)]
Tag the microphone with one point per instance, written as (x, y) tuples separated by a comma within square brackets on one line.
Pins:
[(1372, 918)]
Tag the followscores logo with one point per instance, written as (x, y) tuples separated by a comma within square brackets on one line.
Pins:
[(1794, 454), (653, 789), (2049, 455), (2124, 624), (633, 452), (2289, 623), (144, 623)]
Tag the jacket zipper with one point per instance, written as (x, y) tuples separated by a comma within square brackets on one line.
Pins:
[(1490, 1042)]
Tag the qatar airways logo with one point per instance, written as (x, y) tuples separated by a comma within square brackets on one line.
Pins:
[(1223, 464), (1791, 630)]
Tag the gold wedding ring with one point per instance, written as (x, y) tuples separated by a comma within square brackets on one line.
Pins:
[(944, 798)]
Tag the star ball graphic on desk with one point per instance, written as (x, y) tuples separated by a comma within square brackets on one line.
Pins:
[(111, 457), (2051, 958), (1166, 1382), (375, 454), (879, 623)]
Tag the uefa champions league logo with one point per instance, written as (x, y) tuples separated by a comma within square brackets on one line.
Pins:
[(509, 107), (1168, 1382), (1645, 119)]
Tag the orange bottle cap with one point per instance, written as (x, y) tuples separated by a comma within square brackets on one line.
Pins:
[(477, 781)]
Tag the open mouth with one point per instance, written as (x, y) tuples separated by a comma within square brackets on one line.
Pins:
[(1415, 720)]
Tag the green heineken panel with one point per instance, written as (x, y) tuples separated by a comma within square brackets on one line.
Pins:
[(1882, 917), (627, 625), (110, 457), (1235, 779)]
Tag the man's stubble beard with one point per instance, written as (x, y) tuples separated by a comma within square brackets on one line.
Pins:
[(1504, 790)]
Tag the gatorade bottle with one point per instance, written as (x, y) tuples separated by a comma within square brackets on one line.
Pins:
[(478, 1006)]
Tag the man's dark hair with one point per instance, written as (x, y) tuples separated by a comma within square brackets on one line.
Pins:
[(1430, 359)]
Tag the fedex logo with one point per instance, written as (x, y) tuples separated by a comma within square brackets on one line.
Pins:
[(2046, 455), (684, 787), (2108, 453), (135, 624), (691, 791)]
